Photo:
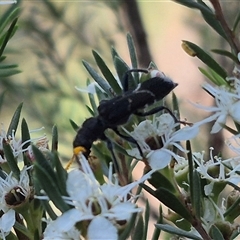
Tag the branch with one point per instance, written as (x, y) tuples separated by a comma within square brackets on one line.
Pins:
[(230, 34), (136, 28)]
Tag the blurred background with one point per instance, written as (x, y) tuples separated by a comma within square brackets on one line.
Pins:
[(55, 36)]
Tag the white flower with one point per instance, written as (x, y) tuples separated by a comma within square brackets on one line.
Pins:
[(158, 137), (91, 88), (7, 221), (51, 232), (105, 206), (227, 102), (17, 145), (14, 192), (217, 169), (7, 2)]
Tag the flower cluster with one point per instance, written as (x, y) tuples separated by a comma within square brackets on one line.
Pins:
[(158, 137), (102, 209), (16, 189)]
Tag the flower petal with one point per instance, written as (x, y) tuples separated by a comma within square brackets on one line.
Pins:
[(67, 220), (159, 159), (234, 111), (218, 124), (7, 221), (186, 133), (101, 228)]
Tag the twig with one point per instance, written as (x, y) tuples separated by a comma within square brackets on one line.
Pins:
[(136, 28), (229, 33)]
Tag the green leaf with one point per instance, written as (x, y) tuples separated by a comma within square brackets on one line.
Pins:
[(1, 99), (234, 235), (196, 5), (8, 17), (194, 182), (196, 194), (177, 231), (236, 22), (122, 68), (15, 120), (215, 233), (49, 210), (114, 53), (146, 221), (9, 34), (171, 201), (159, 180), (61, 174), (138, 230), (213, 76), (157, 231), (101, 81), (74, 125), (7, 66), (130, 226), (226, 54), (94, 112), (132, 51), (107, 73), (45, 176), (25, 134), (8, 72), (212, 21), (207, 14), (206, 58), (12, 162), (54, 138)]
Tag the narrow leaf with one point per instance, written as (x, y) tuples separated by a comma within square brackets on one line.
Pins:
[(196, 5), (107, 73), (9, 72), (128, 229), (9, 34), (138, 230), (177, 231), (207, 14), (46, 178), (157, 231), (159, 180), (206, 58), (12, 162), (61, 175), (15, 120), (25, 134), (54, 138), (216, 233), (212, 21), (101, 81), (146, 221), (236, 22), (8, 17), (74, 125), (196, 195), (1, 99), (122, 68), (132, 51), (226, 54), (171, 201)]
